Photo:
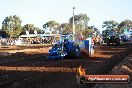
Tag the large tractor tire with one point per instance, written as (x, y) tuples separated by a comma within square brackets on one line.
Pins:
[(74, 52), (77, 52), (108, 42), (117, 42)]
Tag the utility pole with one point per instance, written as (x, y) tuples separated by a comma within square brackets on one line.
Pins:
[(73, 25)]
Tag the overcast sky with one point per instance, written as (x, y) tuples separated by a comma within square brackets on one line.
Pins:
[(38, 12)]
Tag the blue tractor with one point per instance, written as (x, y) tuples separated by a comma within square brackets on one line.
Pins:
[(66, 48), (110, 36)]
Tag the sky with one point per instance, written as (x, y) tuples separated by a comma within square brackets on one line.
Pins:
[(38, 12)]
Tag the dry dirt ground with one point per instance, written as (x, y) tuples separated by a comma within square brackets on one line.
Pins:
[(125, 68), (27, 67)]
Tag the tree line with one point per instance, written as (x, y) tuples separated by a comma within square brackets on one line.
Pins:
[(118, 27), (11, 25)]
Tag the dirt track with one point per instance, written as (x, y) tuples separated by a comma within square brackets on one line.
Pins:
[(28, 69)]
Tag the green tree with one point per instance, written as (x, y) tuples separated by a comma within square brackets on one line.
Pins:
[(12, 26), (28, 27), (65, 28), (81, 19), (126, 24), (31, 28), (96, 31), (53, 26), (40, 31), (110, 25), (87, 32), (81, 23)]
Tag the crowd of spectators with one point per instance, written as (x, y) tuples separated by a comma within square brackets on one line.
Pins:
[(15, 41), (44, 40)]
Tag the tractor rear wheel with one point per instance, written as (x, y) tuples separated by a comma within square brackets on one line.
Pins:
[(74, 52), (108, 42), (117, 42)]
